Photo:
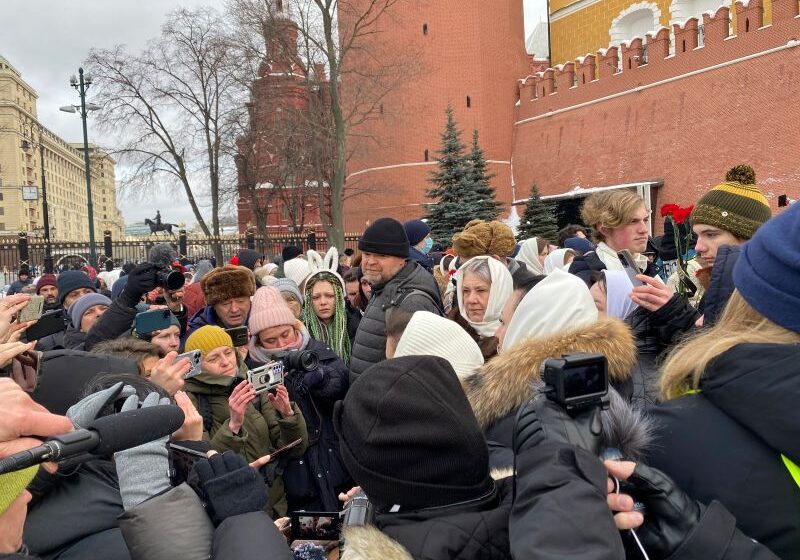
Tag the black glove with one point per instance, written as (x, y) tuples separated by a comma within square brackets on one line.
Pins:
[(540, 419), (230, 486), (141, 280), (671, 515)]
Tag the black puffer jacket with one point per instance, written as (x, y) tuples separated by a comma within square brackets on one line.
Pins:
[(726, 442), (411, 289), (656, 332), (73, 515)]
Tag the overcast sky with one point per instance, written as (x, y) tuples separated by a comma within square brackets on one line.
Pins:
[(47, 40)]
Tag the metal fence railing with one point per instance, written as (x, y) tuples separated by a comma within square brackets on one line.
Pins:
[(72, 254)]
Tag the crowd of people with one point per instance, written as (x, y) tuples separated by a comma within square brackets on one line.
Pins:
[(415, 377)]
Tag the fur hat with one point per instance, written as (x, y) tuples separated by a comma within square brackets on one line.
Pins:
[(484, 238), (226, 283)]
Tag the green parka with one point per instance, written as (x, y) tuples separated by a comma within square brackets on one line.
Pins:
[(263, 431)]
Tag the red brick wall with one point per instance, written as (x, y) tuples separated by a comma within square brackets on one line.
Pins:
[(688, 131), (472, 48)]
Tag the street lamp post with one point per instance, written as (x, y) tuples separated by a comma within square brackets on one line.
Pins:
[(81, 84)]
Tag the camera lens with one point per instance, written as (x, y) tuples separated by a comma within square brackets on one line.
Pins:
[(171, 280), (308, 360)]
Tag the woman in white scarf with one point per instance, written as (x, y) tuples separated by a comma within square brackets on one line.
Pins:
[(559, 259), (612, 295), (483, 284), (532, 253), (560, 302)]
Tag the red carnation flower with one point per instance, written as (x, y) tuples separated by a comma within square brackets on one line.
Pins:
[(668, 209)]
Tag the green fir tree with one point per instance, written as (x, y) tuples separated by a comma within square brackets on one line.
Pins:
[(482, 202), (539, 219), (447, 215), (460, 186)]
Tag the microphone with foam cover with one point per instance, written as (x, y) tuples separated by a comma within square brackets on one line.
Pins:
[(103, 437), (163, 255)]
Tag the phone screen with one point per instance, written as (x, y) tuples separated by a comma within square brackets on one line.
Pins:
[(181, 460)]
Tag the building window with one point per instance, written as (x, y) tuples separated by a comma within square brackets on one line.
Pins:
[(469, 102), (424, 28), (2, 211), (2, 226), (426, 155)]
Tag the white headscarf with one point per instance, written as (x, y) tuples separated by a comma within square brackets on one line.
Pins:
[(499, 292), (529, 255), (427, 334), (555, 260), (560, 302), (618, 289)]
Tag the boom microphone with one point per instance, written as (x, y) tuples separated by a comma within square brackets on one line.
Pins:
[(163, 255), (102, 437)]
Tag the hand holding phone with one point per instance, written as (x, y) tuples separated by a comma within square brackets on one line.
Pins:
[(32, 311), (195, 358), (168, 373)]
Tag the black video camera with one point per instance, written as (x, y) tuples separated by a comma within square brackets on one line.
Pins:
[(576, 381), (359, 511), (296, 360), (169, 279)]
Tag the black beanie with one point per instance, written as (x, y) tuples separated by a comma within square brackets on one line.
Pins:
[(71, 280), (248, 258), (289, 252), (385, 236), (408, 435)]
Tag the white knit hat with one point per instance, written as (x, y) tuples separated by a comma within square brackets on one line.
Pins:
[(297, 270), (560, 302), (428, 334)]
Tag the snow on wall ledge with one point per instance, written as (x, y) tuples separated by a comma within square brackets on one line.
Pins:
[(637, 63)]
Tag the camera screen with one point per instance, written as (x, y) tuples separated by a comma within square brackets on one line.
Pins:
[(316, 527), (584, 380)]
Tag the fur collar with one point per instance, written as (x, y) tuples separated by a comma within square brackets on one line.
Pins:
[(368, 543), (504, 383)]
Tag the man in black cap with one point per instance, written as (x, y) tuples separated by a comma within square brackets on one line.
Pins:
[(24, 279), (396, 282)]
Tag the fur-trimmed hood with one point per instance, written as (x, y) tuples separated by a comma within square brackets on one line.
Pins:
[(505, 382), (502, 385)]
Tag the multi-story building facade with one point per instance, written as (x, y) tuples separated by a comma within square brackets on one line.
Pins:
[(23, 142)]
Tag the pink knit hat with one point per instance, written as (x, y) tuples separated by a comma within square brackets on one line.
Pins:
[(269, 310)]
